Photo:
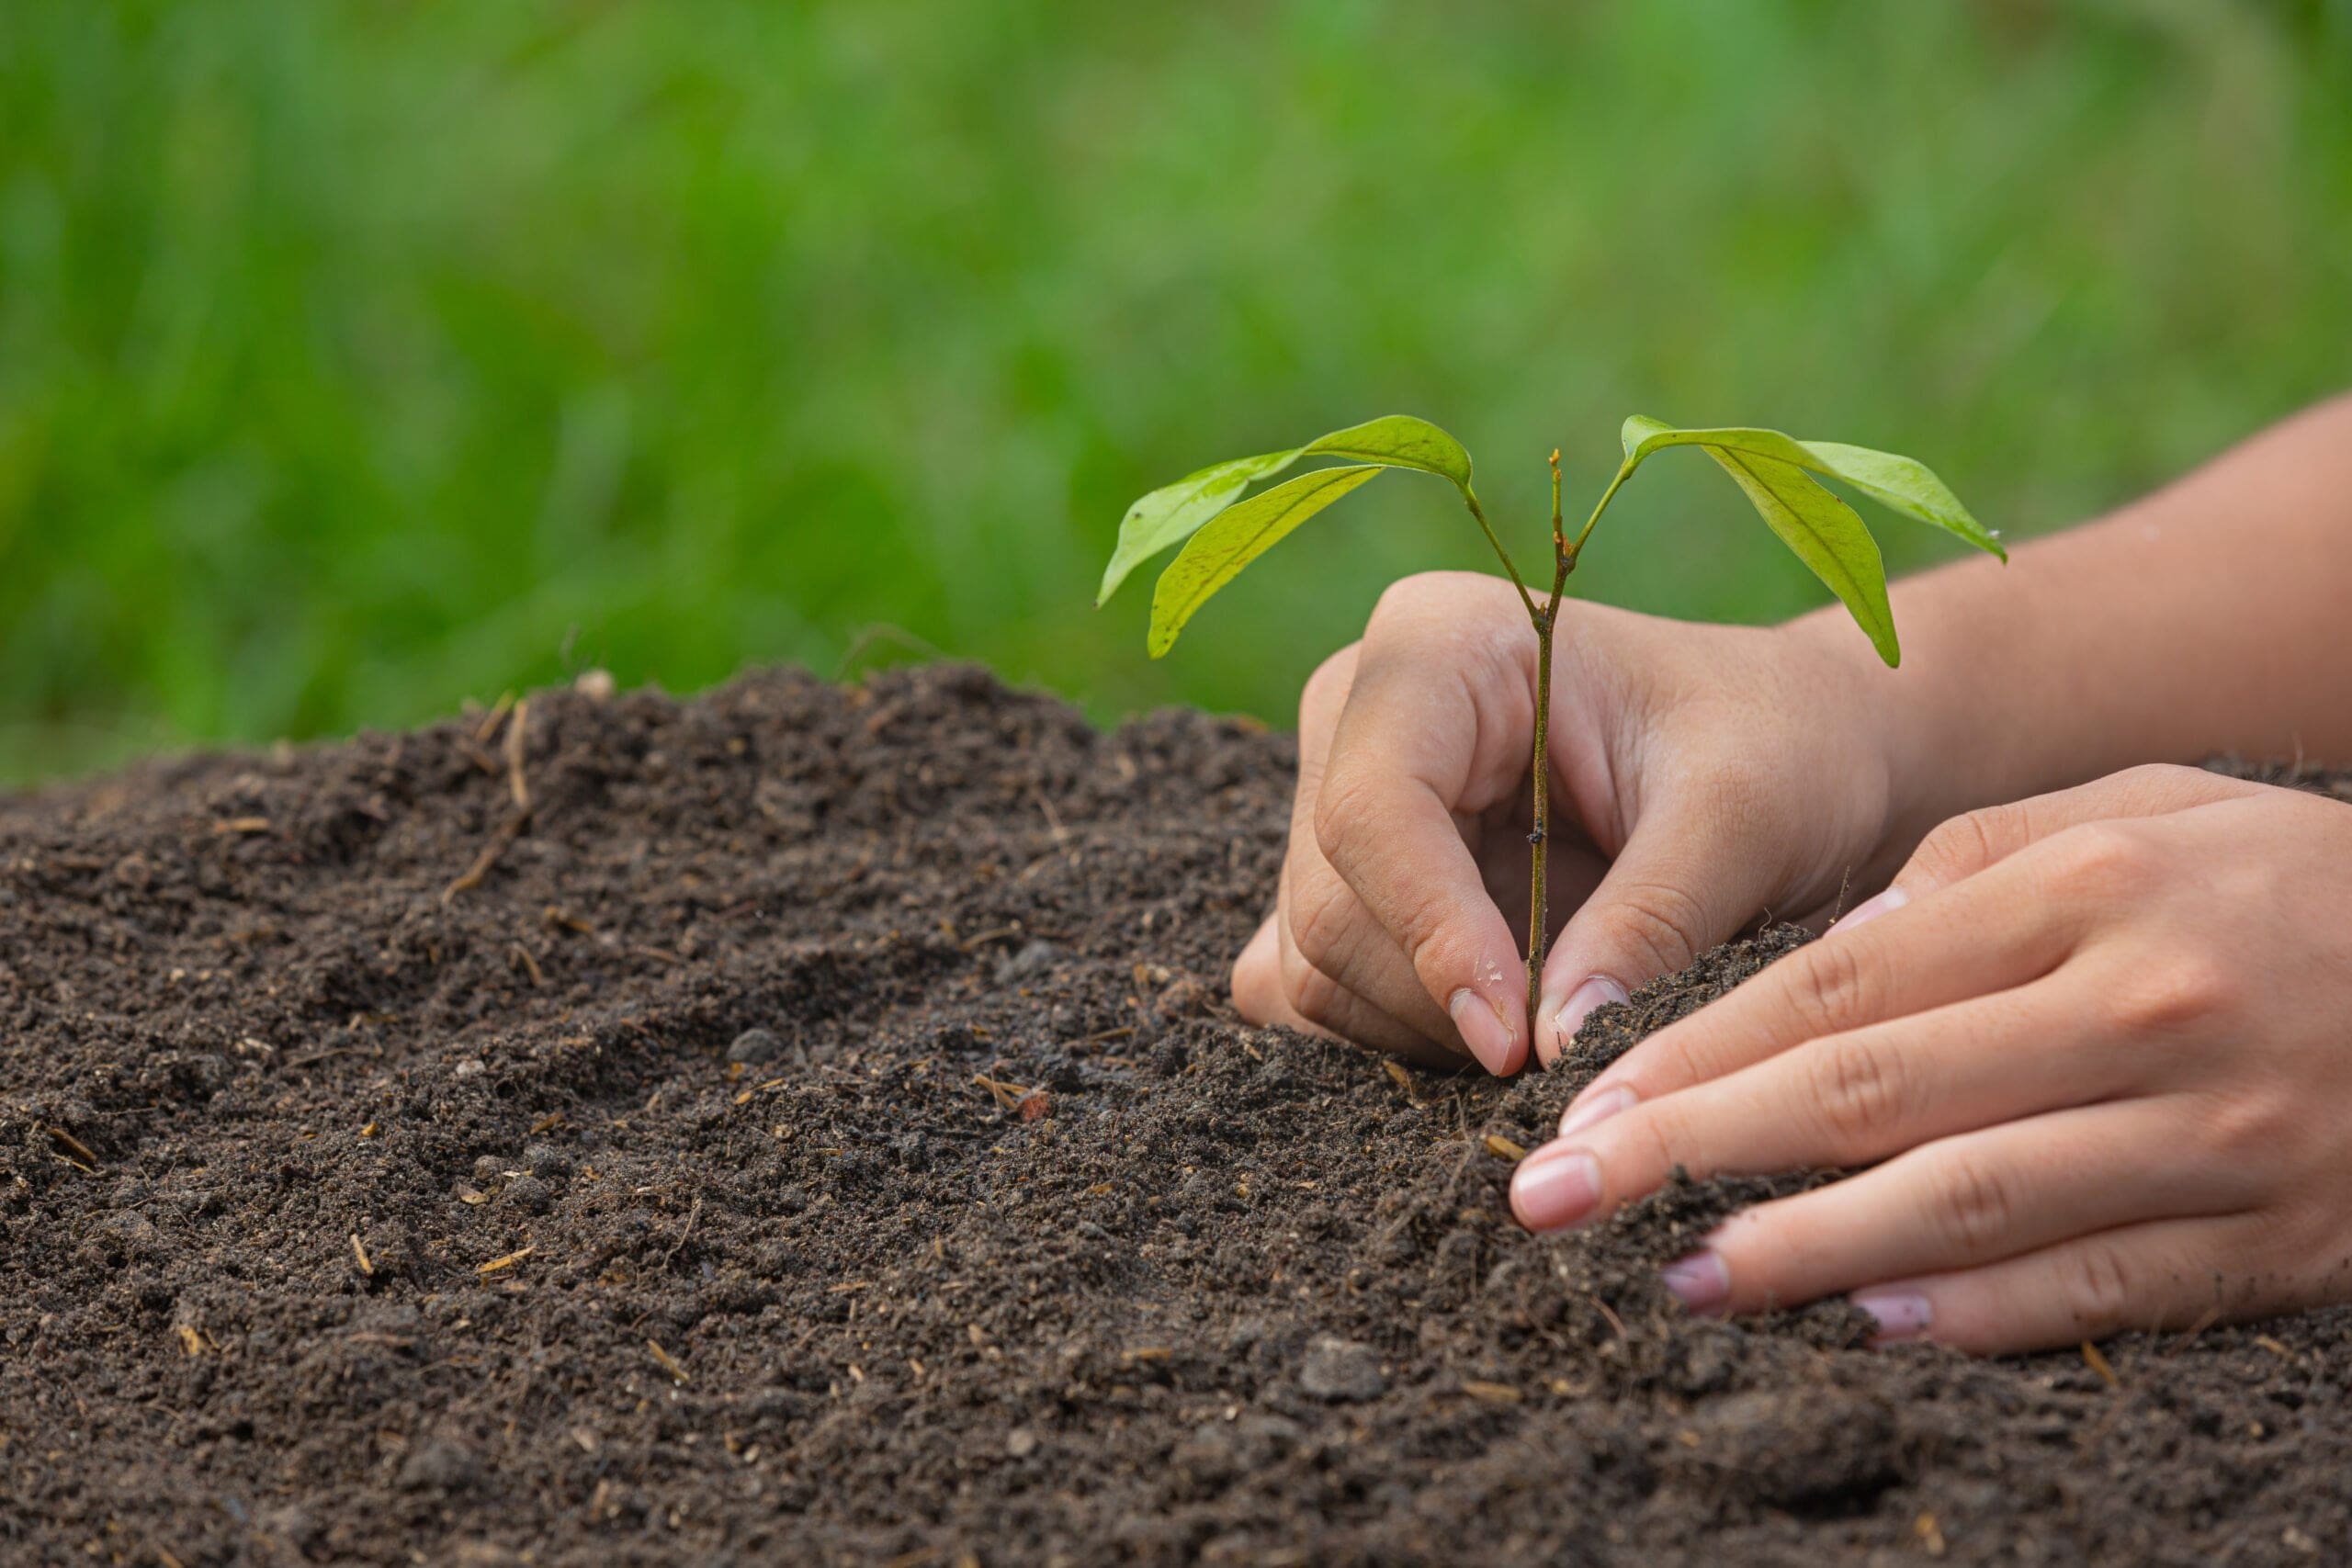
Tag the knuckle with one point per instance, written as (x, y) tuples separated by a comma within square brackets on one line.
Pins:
[(1976, 1207), (2244, 1133), (1962, 845), (2287, 1235), (1344, 807), (1425, 921), (2097, 1284), (1413, 597), (1830, 987), (1315, 996), (1312, 993), (1861, 1089), (1655, 1135), (1321, 909), (2099, 861), (1473, 619), (2168, 778), (2159, 786), (2261, 883), (2179, 993), (1665, 925)]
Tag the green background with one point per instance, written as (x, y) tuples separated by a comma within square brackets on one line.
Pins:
[(357, 358)]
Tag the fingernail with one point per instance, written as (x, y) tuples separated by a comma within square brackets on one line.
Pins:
[(1902, 1314), (1579, 1006), (1699, 1281), (1871, 910), (1490, 1039), (1555, 1188), (1600, 1108)]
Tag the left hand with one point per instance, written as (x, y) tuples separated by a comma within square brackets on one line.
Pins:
[(2094, 1049)]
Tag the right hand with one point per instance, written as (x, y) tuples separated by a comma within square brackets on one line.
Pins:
[(1701, 775)]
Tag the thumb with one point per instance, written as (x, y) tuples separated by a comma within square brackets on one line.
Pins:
[(1686, 880)]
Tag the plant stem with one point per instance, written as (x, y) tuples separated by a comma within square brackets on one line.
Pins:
[(1624, 472), (1470, 498), (1538, 911), (1540, 761), (1545, 620)]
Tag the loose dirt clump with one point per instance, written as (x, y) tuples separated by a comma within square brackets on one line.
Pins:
[(804, 1124)]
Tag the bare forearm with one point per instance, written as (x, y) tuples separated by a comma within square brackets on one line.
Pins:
[(2207, 617)]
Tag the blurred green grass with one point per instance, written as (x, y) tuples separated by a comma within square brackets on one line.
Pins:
[(357, 357)]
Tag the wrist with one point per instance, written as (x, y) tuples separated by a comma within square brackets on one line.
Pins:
[(1903, 729), (1993, 700)]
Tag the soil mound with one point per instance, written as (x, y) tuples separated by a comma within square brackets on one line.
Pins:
[(803, 1124)]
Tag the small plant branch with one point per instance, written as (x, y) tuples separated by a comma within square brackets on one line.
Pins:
[(1470, 498), (1575, 549)]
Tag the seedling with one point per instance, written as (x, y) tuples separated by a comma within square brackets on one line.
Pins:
[(1776, 472)]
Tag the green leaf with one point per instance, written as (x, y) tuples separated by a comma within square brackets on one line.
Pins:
[(1905, 485), (1398, 441), (1826, 536), (1174, 513), (1902, 484), (1644, 436), (1770, 468), (1237, 536)]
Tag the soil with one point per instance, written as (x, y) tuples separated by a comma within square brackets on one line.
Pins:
[(804, 1124)]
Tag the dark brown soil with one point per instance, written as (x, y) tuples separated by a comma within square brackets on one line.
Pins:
[(347, 1214)]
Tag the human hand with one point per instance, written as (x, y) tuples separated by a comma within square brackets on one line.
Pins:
[(1703, 773), (2097, 1043)]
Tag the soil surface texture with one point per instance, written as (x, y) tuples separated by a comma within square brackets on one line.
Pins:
[(805, 1126)]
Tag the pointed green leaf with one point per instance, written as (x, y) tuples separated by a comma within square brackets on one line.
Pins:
[(1644, 436), (1398, 441), (1824, 533), (1173, 513), (1639, 436), (1900, 483), (1237, 536)]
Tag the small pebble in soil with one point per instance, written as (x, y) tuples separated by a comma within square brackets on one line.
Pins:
[(1339, 1369), (1020, 1442), (292, 1521), (529, 1194), (1031, 963), (755, 1047), (435, 1466)]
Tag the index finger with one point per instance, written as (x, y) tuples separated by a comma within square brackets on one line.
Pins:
[(1989, 933), (1426, 741)]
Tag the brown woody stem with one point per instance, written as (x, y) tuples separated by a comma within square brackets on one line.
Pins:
[(1546, 619), (1540, 764)]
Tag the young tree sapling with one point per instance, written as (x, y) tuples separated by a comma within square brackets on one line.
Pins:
[(1222, 533)]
